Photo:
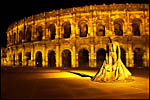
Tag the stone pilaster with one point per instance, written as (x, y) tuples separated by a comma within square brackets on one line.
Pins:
[(73, 56), (57, 55), (130, 57), (92, 60)]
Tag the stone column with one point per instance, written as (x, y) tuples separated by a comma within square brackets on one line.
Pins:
[(60, 59), (44, 57), (32, 56), (130, 57), (76, 59), (147, 58), (92, 60), (23, 57), (57, 32), (77, 31), (90, 29), (57, 55), (73, 57), (44, 32), (73, 30), (127, 59), (32, 36), (144, 59)]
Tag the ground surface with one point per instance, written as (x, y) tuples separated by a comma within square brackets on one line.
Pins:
[(27, 83)]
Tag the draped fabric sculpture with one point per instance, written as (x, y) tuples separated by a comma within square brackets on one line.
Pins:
[(113, 67)]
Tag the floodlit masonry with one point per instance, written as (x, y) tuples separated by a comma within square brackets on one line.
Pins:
[(77, 37)]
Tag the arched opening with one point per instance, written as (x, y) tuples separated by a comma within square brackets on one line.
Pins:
[(83, 58), (138, 54), (23, 33), (20, 59), (123, 56), (39, 59), (52, 31), (100, 30), (14, 59), (100, 57), (136, 26), (67, 29), (118, 27), (28, 58), (83, 27), (14, 38), (20, 37), (51, 59), (28, 35), (66, 58), (39, 31)]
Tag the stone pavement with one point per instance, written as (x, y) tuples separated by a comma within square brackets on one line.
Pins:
[(61, 84)]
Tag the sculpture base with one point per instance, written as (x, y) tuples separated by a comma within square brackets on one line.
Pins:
[(115, 81)]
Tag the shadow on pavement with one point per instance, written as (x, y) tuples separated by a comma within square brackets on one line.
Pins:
[(82, 75)]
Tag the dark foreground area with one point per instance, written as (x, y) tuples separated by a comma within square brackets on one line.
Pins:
[(54, 83)]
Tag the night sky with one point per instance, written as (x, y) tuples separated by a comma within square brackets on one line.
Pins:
[(12, 10)]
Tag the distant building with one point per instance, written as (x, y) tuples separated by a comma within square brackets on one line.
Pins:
[(77, 37)]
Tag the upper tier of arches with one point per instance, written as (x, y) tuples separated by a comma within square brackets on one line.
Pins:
[(81, 22)]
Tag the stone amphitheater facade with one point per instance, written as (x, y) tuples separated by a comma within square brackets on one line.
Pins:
[(77, 37)]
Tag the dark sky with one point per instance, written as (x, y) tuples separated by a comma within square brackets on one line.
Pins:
[(11, 10)]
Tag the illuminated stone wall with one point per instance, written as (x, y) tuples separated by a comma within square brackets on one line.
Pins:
[(3, 57), (80, 30)]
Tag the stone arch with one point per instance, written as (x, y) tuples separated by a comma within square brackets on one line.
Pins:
[(83, 28), (14, 38), (51, 58), (100, 57), (38, 59), (14, 59), (52, 30), (138, 57), (118, 26), (136, 26), (23, 35), (123, 55), (20, 59), (39, 31), (100, 29), (20, 36), (28, 34), (83, 58), (28, 58), (66, 29), (66, 58)]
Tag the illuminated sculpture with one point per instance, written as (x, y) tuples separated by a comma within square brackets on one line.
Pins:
[(113, 67)]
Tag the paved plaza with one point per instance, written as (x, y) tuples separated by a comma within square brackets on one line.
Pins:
[(39, 83)]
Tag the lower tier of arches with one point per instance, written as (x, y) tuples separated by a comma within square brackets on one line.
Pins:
[(74, 57)]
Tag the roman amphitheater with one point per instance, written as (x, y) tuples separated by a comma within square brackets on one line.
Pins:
[(77, 37)]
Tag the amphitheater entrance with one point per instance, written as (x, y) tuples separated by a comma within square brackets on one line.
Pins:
[(123, 56), (39, 59), (28, 57), (138, 54), (66, 58), (20, 59), (14, 59), (51, 59), (100, 57), (83, 58)]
